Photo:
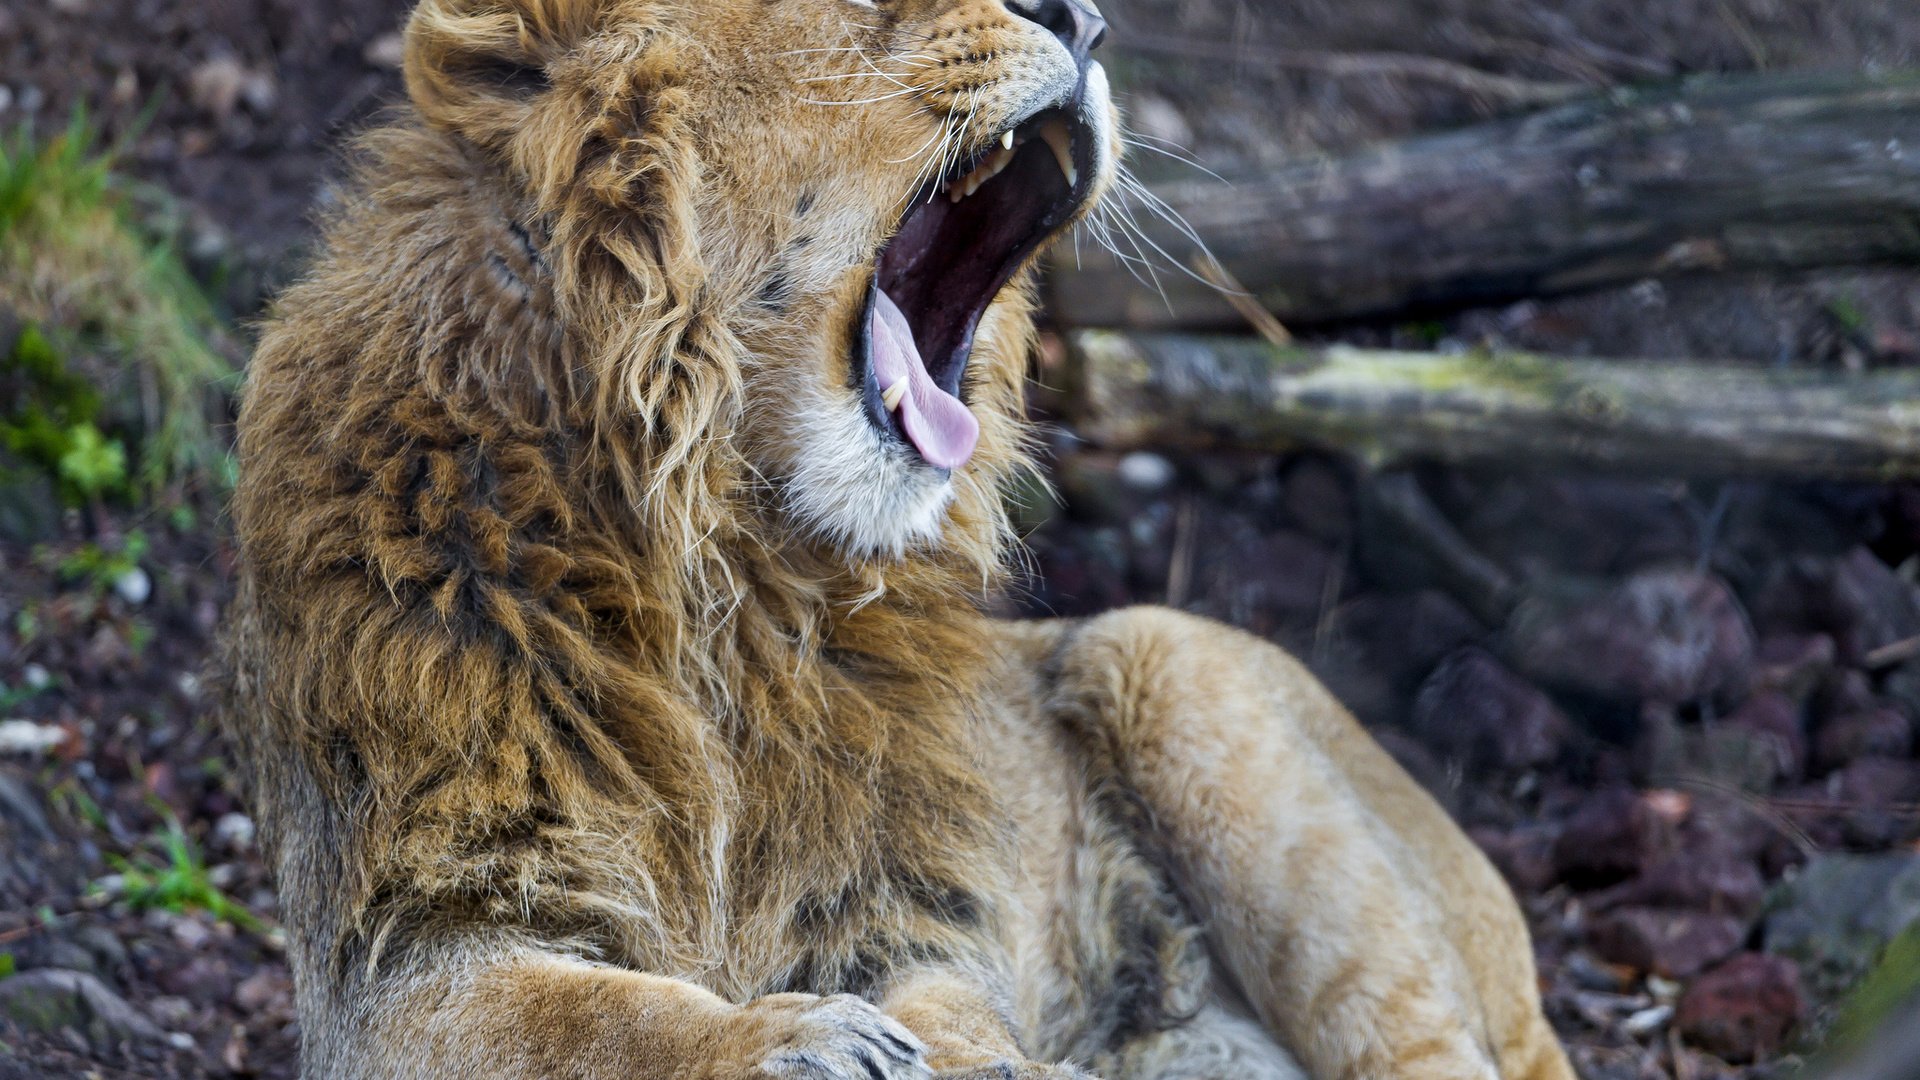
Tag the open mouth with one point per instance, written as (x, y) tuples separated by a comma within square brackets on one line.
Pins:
[(962, 238)]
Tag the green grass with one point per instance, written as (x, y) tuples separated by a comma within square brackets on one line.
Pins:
[(96, 567), (177, 881), (95, 288)]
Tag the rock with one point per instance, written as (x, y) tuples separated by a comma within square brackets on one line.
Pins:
[(234, 832), (214, 87), (1835, 916), (1318, 496), (267, 991), (1611, 836), (1670, 636), (1855, 598), (1095, 489), (1718, 882), (1877, 782), (47, 1000), (24, 738), (134, 586), (1673, 943), (1744, 1009), (386, 51), (1772, 719), (1523, 856), (1385, 644), (1146, 471), (1792, 665), (1261, 578), (1597, 526), (1647, 1021), (1881, 732), (203, 980), (1473, 710)]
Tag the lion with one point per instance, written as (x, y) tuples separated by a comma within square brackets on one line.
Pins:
[(620, 507)]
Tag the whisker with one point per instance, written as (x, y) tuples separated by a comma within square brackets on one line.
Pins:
[(863, 101), (1181, 158)]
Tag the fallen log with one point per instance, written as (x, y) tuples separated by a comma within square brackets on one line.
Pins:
[(1517, 410), (1755, 173)]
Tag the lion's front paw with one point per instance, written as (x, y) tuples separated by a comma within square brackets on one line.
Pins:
[(1018, 1070), (843, 1037)]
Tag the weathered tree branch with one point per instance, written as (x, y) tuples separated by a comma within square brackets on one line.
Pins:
[(1756, 173), (1514, 409)]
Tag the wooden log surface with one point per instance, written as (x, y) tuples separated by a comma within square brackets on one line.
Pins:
[(1752, 173), (1517, 410)]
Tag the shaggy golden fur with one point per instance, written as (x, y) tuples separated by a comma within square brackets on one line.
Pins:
[(616, 704)]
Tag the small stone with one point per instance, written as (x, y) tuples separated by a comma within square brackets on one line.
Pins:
[(1145, 471), (134, 586), (1664, 991), (171, 1010), (265, 990), (234, 832), (1611, 836), (215, 86), (260, 92), (35, 677), (1744, 1009), (1647, 1021), (1589, 974), (191, 933), (1673, 944), (24, 738), (386, 51)]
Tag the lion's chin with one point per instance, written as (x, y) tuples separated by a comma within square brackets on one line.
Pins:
[(863, 493)]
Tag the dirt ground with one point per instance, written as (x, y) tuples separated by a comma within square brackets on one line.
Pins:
[(1691, 755)]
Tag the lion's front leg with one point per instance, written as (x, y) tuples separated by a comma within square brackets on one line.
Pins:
[(1370, 935), (965, 1028), (526, 1014)]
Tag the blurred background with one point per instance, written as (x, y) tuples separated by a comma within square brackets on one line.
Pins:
[(1553, 389)]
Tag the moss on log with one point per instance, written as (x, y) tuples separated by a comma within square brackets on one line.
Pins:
[(1515, 409)]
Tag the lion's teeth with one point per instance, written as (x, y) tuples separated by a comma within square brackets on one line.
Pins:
[(1006, 139), (890, 397), (985, 171), (1055, 133)]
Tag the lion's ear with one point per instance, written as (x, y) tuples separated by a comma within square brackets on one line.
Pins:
[(475, 65)]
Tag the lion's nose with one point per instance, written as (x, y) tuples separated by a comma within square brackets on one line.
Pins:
[(1078, 26)]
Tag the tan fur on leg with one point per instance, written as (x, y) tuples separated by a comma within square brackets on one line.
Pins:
[(1364, 926)]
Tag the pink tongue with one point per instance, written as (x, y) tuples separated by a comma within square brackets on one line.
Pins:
[(937, 424)]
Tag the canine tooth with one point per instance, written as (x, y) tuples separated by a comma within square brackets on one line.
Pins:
[(890, 397), (1006, 139), (1055, 132)]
